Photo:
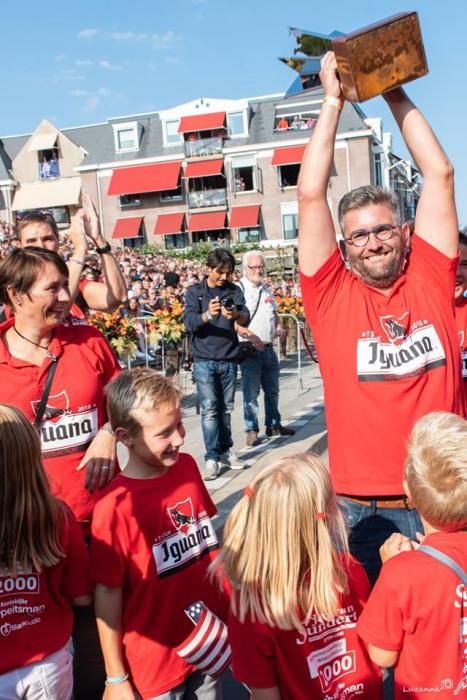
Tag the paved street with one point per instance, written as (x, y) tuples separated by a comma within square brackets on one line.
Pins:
[(301, 407)]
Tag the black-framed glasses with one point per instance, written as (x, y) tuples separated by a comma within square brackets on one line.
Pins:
[(360, 238), (255, 267), (44, 214)]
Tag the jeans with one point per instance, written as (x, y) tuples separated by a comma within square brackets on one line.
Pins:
[(198, 685), (49, 679), (215, 383), (370, 526), (261, 372)]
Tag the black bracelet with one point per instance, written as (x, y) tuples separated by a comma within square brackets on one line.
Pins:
[(105, 249)]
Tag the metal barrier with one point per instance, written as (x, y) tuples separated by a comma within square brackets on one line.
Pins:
[(298, 324)]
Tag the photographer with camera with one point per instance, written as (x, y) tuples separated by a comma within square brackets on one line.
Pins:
[(212, 308)]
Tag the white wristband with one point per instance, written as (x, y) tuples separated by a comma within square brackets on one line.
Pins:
[(116, 680), (333, 101)]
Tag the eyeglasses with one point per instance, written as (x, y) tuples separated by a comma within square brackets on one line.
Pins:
[(360, 238), (255, 267), (44, 214)]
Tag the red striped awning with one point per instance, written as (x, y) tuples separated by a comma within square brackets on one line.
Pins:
[(245, 217), (207, 221), (289, 155), (145, 178), (204, 168), (202, 122), (169, 223), (127, 228)]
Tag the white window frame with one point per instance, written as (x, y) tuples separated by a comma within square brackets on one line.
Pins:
[(126, 126), (288, 208), (245, 126), (165, 133)]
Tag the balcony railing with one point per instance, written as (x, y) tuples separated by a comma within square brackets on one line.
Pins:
[(204, 147), (207, 198)]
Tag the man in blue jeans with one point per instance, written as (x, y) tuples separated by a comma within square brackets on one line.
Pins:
[(212, 308), (261, 370)]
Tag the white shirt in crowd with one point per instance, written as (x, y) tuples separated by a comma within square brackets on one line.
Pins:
[(264, 321)]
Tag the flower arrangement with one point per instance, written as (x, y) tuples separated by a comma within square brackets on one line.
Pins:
[(290, 305), (119, 331), (167, 324)]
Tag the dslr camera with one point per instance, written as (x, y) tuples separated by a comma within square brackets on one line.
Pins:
[(228, 302)]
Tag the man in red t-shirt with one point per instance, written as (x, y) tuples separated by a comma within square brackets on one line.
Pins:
[(382, 318), (40, 230), (461, 305)]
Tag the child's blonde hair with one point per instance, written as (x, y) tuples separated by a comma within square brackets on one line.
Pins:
[(30, 515), (436, 470), (138, 388), (282, 545)]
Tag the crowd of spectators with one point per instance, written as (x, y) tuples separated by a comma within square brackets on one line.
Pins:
[(154, 280)]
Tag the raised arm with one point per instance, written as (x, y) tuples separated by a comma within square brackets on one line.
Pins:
[(107, 295), (436, 218), (316, 237)]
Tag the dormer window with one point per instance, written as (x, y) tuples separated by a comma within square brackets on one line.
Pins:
[(48, 163), (126, 137)]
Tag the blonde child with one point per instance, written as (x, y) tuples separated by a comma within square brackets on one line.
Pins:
[(43, 571), (297, 593), (416, 617)]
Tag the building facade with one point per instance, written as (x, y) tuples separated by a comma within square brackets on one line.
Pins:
[(206, 170)]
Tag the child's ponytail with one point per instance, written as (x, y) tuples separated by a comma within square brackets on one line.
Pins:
[(282, 544)]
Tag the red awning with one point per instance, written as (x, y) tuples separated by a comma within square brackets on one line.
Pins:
[(202, 122), (244, 217), (169, 223), (127, 228), (145, 178), (207, 221), (204, 168), (289, 155)]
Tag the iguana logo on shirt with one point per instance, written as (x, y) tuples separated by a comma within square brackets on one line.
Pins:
[(395, 328), (57, 406), (182, 515)]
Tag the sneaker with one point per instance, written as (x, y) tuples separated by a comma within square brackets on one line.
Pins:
[(252, 439), (211, 470), (279, 430), (229, 459)]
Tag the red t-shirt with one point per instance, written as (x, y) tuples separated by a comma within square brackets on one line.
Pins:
[(154, 538), (327, 662), (418, 608), (75, 407), (461, 321), (77, 316), (385, 361), (35, 608)]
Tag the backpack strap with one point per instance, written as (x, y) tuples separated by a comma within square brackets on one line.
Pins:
[(444, 559)]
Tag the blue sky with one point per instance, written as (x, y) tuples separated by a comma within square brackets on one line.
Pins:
[(82, 63)]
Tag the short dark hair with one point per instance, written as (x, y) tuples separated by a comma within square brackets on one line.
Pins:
[(463, 237), (364, 196), (21, 269), (220, 257), (36, 217)]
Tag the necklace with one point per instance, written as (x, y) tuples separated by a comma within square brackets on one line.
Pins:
[(50, 355)]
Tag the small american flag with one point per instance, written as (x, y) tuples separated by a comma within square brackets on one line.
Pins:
[(207, 647)]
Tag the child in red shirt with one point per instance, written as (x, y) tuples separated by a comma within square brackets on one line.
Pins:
[(297, 593), (43, 570), (152, 543), (416, 616)]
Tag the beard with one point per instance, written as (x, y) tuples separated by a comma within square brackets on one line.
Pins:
[(384, 275)]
